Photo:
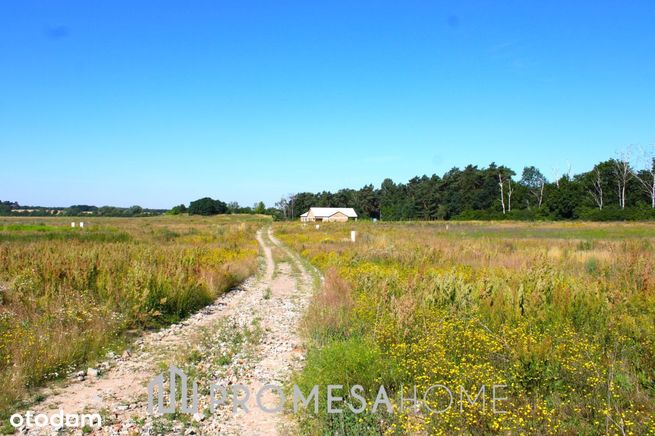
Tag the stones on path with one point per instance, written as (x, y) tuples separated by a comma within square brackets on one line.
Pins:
[(271, 357)]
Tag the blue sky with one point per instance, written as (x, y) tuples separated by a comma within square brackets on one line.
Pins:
[(161, 102)]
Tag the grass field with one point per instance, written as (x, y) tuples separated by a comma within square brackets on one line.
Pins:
[(68, 294), (563, 314)]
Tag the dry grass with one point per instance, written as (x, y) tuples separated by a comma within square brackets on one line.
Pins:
[(330, 306), (68, 294)]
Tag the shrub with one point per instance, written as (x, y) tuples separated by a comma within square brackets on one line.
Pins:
[(207, 206), (616, 214)]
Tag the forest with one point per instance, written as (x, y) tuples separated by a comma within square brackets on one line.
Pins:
[(618, 189), (612, 190)]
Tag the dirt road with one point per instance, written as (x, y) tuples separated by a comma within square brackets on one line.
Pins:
[(248, 336)]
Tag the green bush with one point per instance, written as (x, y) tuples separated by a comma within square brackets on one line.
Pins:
[(354, 361), (616, 214), (207, 206)]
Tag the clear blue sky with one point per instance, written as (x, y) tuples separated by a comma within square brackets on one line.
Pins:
[(161, 102)]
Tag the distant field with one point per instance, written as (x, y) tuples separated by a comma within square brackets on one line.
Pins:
[(66, 294), (561, 313)]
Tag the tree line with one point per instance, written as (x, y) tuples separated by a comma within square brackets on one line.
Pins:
[(202, 206), (620, 188), (211, 206), (12, 208)]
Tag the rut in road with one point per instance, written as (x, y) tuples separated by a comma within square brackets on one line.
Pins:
[(247, 336)]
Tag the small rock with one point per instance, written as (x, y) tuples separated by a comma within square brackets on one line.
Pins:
[(198, 417), (93, 372), (126, 354), (121, 407)]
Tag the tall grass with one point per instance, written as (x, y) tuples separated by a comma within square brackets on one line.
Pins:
[(67, 294), (560, 313)]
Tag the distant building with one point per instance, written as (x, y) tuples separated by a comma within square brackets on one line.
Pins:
[(330, 214)]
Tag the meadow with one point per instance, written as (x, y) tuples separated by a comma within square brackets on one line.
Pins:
[(563, 314), (68, 295)]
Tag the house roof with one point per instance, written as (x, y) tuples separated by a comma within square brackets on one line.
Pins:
[(325, 212), (305, 214)]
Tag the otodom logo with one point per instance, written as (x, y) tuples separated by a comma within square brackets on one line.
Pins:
[(57, 420)]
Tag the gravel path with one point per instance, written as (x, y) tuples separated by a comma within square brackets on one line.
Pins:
[(248, 336)]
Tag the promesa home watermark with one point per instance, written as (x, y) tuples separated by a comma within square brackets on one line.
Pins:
[(185, 399)]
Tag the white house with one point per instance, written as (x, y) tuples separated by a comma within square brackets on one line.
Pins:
[(331, 214)]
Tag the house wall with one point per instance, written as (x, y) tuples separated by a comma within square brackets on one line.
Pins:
[(338, 217)]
